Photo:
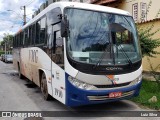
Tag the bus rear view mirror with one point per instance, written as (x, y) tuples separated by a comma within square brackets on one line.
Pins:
[(116, 27), (64, 27)]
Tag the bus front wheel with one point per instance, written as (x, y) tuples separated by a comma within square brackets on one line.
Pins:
[(44, 88)]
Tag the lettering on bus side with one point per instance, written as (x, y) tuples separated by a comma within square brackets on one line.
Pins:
[(58, 93), (33, 56)]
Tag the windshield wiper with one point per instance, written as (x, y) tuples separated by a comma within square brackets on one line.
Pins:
[(125, 54), (123, 51), (101, 58)]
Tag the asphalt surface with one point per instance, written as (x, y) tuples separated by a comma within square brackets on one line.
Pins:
[(22, 95)]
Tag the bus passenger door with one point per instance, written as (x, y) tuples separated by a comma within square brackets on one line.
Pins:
[(57, 64), (57, 49)]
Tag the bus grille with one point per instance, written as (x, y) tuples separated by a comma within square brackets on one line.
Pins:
[(112, 86), (106, 97)]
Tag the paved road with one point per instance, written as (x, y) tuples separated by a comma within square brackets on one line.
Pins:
[(22, 95)]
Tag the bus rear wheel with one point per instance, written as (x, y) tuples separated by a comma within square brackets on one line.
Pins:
[(44, 88), (19, 72)]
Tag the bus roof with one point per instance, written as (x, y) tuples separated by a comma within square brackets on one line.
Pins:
[(87, 6)]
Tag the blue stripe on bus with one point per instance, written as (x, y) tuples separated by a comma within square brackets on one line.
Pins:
[(77, 97)]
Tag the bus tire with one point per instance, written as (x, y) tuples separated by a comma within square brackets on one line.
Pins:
[(19, 72), (44, 88)]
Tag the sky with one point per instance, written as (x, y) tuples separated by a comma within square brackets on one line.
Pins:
[(11, 14)]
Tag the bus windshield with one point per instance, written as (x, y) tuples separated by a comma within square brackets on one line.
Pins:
[(102, 38)]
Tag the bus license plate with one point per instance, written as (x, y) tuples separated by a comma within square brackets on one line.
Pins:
[(115, 94)]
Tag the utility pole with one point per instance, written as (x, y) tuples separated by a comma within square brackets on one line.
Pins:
[(5, 49), (24, 16), (6, 42)]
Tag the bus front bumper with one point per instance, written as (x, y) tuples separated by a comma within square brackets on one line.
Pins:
[(78, 97)]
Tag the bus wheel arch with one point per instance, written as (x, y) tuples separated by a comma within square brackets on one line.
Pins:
[(43, 85)]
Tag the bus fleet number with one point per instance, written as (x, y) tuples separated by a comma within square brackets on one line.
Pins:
[(33, 55)]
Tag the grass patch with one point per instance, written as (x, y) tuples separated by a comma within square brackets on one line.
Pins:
[(148, 90)]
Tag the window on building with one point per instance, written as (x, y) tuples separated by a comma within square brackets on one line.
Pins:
[(135, 11), (143, 12)]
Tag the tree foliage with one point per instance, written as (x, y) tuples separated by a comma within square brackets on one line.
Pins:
[(8, 40), (154, 72), (147, 42)]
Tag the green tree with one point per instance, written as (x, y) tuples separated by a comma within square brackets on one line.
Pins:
[(154, 73), (8, 40), (147, 42)]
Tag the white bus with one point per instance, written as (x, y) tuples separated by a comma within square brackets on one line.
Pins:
[(80, 53)]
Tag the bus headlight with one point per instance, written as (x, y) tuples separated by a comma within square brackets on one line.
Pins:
[(137, 80), (80, 84)]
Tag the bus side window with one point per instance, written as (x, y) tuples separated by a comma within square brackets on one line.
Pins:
[(30, 35), (21, 39), (43, 30), (16, 41), (33, 34), (37, 32), (13, 42), (58, 46), (26, 38)]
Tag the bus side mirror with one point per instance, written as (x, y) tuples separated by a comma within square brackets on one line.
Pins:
[(64, 27)]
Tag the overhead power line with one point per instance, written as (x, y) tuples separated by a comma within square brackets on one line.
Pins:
[(29, 3)]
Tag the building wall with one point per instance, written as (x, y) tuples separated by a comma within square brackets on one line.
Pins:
[(153, 10), (142, 6), (154, 61)]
